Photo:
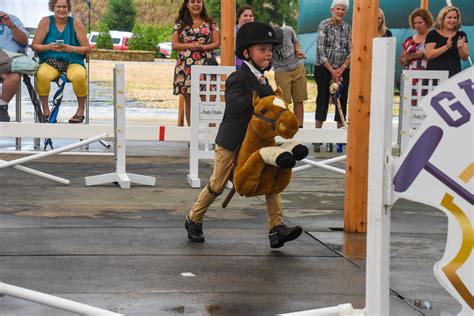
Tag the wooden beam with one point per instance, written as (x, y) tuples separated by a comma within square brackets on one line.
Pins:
[(227, 32), (424, 4), (364, 24)]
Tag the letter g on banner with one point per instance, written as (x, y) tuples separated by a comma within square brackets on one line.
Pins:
[(457, 109)]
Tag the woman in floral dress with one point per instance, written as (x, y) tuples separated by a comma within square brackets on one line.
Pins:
[(195, 36)]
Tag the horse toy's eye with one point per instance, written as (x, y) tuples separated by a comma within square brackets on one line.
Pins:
[(263, 111)]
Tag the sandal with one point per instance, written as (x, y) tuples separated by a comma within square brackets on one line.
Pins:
[(76, 119)]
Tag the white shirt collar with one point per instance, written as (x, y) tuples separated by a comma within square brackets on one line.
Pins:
[(254, 70)]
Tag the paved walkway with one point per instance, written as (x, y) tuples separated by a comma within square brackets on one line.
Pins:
[(126, 250)]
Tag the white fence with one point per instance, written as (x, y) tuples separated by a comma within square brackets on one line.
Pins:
[(414, 85), (207, 110)]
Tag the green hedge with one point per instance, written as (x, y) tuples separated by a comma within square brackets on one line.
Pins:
[(147, 37)]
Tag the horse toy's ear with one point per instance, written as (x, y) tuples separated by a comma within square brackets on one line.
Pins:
[(255, 98), (278, 93)]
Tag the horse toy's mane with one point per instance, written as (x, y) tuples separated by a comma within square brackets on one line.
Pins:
[(263, 167)]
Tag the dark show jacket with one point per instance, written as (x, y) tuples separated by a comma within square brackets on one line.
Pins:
[(239, 89)]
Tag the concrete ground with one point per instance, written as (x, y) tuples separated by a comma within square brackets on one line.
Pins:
[(126, 250)]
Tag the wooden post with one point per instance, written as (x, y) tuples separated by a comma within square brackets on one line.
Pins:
[(424, 4), (364, 24), (181, 110), (227, 32)]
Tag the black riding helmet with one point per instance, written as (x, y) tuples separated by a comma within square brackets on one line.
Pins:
[(253, 33)]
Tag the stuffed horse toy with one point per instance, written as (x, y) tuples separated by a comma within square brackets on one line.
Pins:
[(263, 167)]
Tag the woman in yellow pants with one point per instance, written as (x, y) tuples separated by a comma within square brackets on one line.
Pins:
[(62, 44)]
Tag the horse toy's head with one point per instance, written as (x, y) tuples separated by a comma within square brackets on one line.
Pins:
[(262, 167), (272, 117)]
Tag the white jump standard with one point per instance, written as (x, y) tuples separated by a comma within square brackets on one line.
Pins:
[(120, 175)]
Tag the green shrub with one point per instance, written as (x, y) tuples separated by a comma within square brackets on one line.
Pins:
[(148, 37), (104, 40)]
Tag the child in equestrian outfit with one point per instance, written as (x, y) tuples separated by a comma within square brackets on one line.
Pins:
[(254, 45)]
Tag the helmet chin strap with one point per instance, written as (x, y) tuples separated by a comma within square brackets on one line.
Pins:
[(262, 71)]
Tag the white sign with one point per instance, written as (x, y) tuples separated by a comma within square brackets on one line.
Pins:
[(437, 169)]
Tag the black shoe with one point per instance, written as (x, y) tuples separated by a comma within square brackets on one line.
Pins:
[(4, 117), (280, 234), (194, 230)]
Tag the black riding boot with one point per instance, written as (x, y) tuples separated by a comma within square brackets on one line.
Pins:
[(280, 234), (194, 230)]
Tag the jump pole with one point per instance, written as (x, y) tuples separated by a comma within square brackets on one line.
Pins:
[(322, 164), (52, 152), (52, 301), (39, 173)]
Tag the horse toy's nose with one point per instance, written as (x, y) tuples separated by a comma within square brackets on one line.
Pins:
[(287, 125)]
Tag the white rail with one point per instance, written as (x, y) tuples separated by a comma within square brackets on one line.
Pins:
[(53, 301)]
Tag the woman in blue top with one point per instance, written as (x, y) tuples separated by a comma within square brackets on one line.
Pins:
[(62, 44)]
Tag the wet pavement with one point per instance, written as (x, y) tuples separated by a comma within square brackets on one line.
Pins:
[(127, 250)]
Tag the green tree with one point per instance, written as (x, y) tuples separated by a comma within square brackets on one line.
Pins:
[(104, 40), (120, 15)]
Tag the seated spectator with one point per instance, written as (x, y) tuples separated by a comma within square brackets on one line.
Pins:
[(13, 38), (62, 44), (290, 74)]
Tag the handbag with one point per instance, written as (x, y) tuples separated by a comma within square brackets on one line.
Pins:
[(16, 62), (58, 64)]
